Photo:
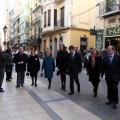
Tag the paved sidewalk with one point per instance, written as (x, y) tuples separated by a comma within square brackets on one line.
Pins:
[(39, 103)]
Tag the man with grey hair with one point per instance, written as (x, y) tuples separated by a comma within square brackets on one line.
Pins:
[(2, 68), (20, 59), (111, 67)]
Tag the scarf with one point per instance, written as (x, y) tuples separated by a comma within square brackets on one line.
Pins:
[(93, 61)]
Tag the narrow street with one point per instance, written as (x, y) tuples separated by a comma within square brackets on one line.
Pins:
[(39, 103)]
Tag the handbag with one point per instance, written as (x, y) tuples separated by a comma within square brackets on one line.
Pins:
[(27, 74), (41, 74)]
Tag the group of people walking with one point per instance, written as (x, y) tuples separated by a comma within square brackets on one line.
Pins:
[(66, 64)]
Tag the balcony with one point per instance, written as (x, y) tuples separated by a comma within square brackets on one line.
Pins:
[(35, 39), (37, 6), (60, 23), (109, 8), (36, 21)]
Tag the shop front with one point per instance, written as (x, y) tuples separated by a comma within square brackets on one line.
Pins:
[(113, 37)]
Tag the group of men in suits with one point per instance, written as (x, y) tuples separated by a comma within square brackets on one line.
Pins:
[(110, 66)]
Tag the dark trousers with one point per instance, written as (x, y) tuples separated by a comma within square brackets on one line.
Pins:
[(9, 75), (74, 76), (20, 77), (95, 86), (2, 71), (112, 88), (63, 78), (32, 77)]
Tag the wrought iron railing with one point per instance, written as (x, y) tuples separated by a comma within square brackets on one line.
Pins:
[(36, 21), (109, 6), (60, 23)]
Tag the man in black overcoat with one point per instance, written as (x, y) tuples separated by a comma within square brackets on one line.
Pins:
[(2, 67), (74, 67), (20, 59), (111, 67)]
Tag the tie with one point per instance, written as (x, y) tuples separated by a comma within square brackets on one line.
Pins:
[(110, 59), (72, 56)]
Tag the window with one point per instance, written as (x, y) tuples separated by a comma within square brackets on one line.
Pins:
[(55, 17), (112, 21), (62, 17), (44, 19), (49, 17)]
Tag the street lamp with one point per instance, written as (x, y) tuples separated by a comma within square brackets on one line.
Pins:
[(5, 43)]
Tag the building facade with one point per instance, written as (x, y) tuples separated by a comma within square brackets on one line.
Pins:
[(108, 24), (35, 26), (62, 26)]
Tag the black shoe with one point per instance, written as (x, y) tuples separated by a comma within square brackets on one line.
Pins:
[(114, 106), (22, 85), (35, 85), (1, 90), (32, 84), (17, 86), (108, 103), (95, 95), (78, 89), (71, 93), (64, 87), (8, 80), (48, 87)]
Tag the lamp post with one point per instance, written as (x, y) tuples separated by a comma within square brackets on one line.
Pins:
[(5, 43)]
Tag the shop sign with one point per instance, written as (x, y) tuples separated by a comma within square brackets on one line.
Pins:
[(113, 31), (99, 39)]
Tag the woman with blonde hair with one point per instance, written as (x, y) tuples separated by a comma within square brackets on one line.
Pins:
[(49, 67), (93, 69)]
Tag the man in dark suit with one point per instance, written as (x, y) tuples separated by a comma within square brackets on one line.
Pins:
[(20, 59), (2, 67), (111, 67), (74, 67)]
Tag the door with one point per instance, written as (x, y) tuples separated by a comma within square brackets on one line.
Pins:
[(83, 44), (114, 43)]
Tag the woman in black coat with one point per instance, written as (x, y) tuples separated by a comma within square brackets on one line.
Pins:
[(9, 64), (61, 63), (33, 67), (93, 70)]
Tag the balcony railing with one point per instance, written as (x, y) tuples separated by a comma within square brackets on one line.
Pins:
[(37, 36), (36, 21), (109, 8), (60, 23)]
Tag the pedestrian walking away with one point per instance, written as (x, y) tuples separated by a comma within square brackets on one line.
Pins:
[(2, 68), (49, 67), (74, 67), (61, 64), (20, 60), (93, 70), (9, 64), (33, 67), (111, 67)]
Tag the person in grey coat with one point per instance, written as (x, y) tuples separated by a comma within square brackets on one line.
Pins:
[(2, 68), (49, 67)]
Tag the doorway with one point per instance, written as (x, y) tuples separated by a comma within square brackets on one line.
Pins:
[(83, 44)]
